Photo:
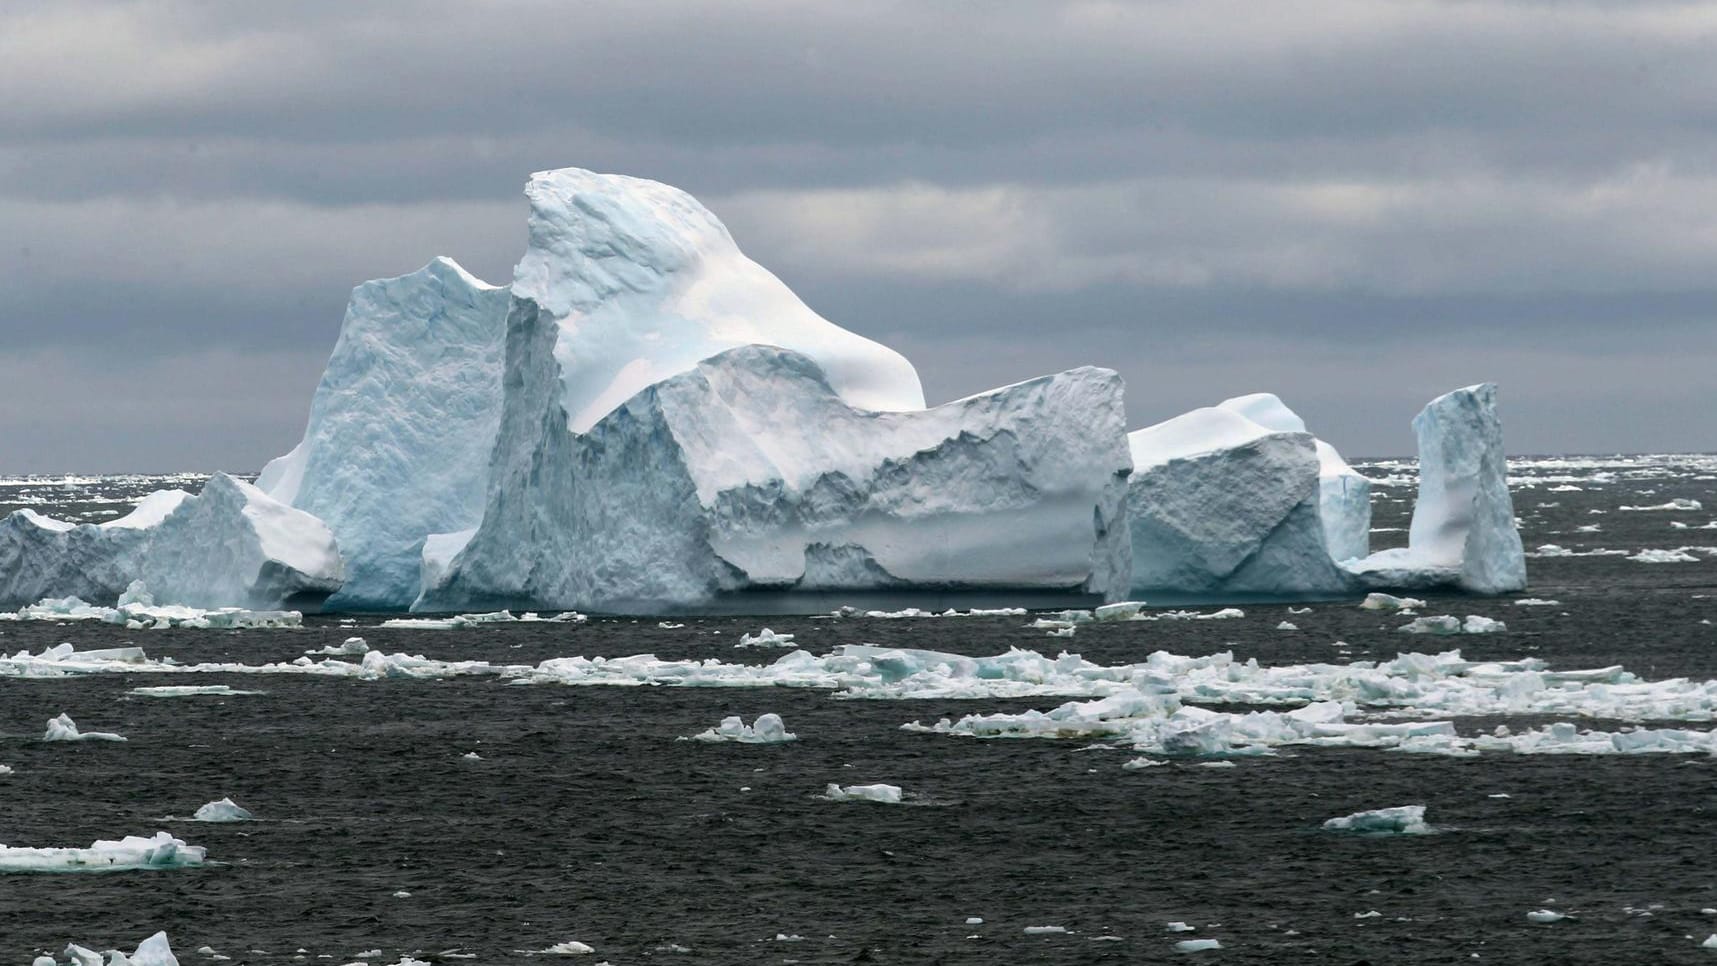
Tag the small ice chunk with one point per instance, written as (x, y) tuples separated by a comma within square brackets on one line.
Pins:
[(471, 756), (63, 728), (765, 638), (188, 691), (768, 729), (351, 647), (571, 947), (1379, 601), (225, 810), (669, 625), (1546, 915), (153, 951), (974, 920), (1656, 556), (1400, 820), (885, 794), (1287, 626), (1537, 602), (1067, 631), (1196, 945), (1679, 503), (1477, 624), (1178, 926), (1045, 930)]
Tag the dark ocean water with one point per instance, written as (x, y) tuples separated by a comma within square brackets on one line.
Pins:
[(587, 819)]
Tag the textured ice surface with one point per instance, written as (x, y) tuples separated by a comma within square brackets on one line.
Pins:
[(748, 472), (768, 729), (1400, 820), (401, 426), (230, 546), (884, 794), (1463, 531), (1344, 495), (225, 810), (63, 728), (1220, 504), (161, 851), (138, 611)]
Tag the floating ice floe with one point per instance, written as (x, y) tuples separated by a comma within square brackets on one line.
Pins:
[(225, 810), (459, 621), (161, 851), (1445, 624), (138, 611), (1557, 550), (63, 728), (1679, 503), (768, 729), (1400, 820), (1196, 945), (350, 647), (571, 947), (153, 951), (1537, 602), (189, 691), (1546, 916), (1658, 556), (765, 638), (1287, 626), (915, 612), (884, 794), (1381, 601)]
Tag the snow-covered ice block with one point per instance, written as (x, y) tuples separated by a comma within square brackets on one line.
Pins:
[(231, 545), (401, 427), (225, 810), (885, 794), (1219, 504), (160, 851), (748, 473), (1400, 820), (63, 728), (768, 729), (637, 282), (1344, 494), (1463, 532)]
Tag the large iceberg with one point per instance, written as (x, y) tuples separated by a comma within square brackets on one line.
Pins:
[(1344, 494), (401, 427), (1221, 505), (751, 473), (229, 546), (1463, 532)]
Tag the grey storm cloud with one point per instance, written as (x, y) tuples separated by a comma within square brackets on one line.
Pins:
[(1354, 204)]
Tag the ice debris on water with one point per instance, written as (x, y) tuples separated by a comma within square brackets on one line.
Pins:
[(1400, 820), (1179, 926), (1444, 624), (768, 729), (350, 647), (765, 638), (161, 851), (154, 951), (571, 947), (1537, 602), (1659, 556), (1045, 930), (1196, 945), (884, 794), (1381, 601), (189, 691), (225, 810), (137, 615), (1710, 942), (462, 621), (63, 728), (1679, 503), (1546, 916), (1287, 626)]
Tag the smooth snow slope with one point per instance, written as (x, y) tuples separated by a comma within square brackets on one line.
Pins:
[(751, 472), (643, 282), (401, 427)]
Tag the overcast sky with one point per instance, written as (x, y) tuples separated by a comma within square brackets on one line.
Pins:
[(1356, 205)]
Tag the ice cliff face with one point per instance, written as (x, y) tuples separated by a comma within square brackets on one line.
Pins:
[(401, 427), (1463, 531), (752, 472), (230, 546), (642, 282), (1344, 496), (1219, 504)]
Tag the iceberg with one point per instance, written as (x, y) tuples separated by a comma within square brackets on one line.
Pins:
[(750, 474), (232, 545), (1344, 494), (1463, 532), (1221, 505), (401, 427), (160, 851)]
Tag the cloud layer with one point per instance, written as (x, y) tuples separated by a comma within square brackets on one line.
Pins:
[(1354, 204)]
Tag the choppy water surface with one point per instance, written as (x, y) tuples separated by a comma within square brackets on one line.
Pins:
[(586, 818)]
